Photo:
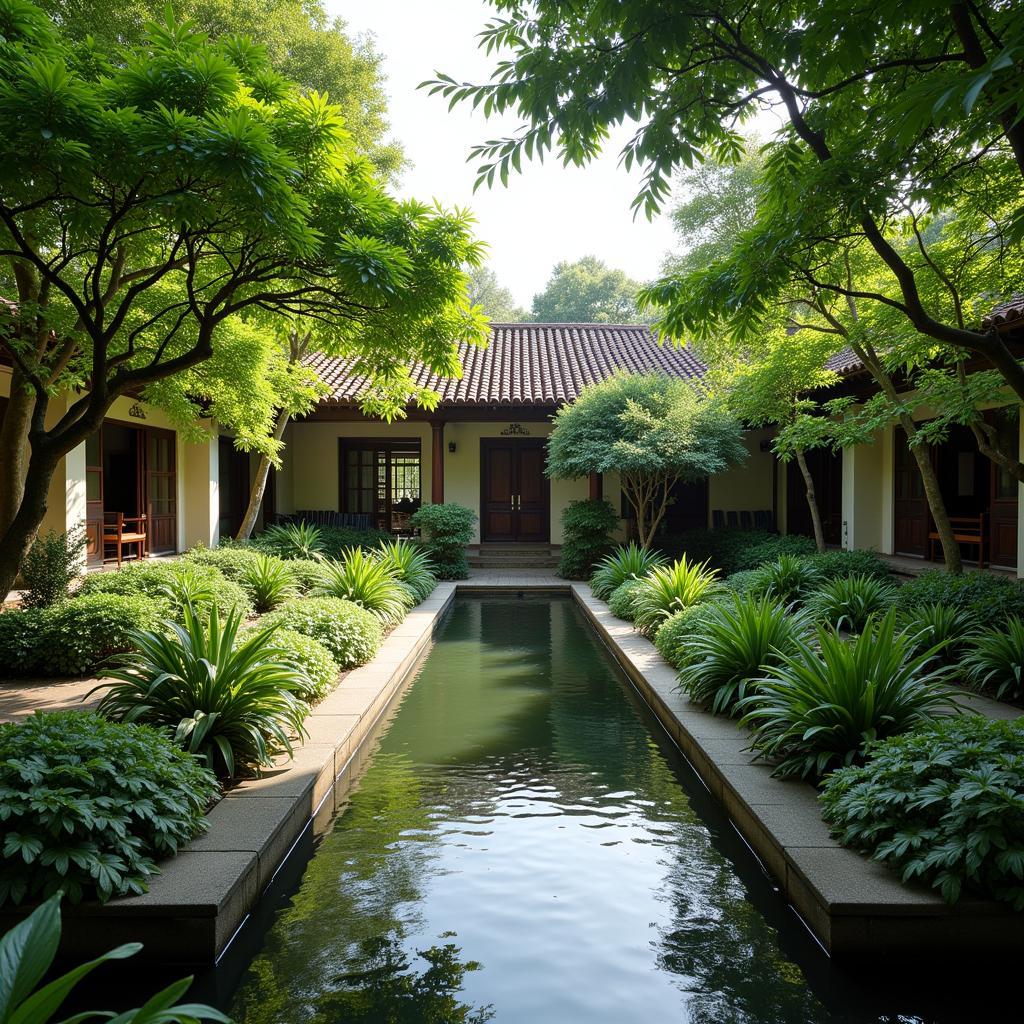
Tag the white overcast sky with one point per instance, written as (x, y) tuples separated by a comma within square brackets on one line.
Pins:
[(546, 214)]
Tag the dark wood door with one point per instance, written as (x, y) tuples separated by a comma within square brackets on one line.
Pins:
[(161, 490), (515, 498), (1003, 507), (910, 506)]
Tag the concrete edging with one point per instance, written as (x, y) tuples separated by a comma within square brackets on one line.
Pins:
[(205, 893), (851, 904)]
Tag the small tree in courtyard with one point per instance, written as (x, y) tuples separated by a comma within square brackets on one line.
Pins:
[(653, 431)]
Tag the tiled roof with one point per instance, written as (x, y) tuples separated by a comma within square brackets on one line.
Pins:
[(531, 364), (844, 362), (1006, 316)]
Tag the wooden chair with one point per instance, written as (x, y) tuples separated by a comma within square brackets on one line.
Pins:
[(966, 530), (114, 533)]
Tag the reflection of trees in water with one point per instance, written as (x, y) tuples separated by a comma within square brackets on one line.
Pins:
[(364, 877), (726, 955), (387, 990)]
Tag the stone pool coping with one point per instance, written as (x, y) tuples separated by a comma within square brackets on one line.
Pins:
[(205, 893), (853, 906)]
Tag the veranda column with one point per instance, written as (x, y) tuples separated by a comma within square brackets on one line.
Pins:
[(437, 462), (201, 493)]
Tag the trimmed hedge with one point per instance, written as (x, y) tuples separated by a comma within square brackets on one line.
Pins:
[(832, 564), (731, 550), (988, 598), (350, 633), (230, 560), (89, 806), (75, 637), (672, 640), (313, 658), (154, 579), (307, 573), (622, 603), (447, 529)]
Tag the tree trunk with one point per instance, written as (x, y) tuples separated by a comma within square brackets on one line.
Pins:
[(18, 537), (14, 449), (936, 504), (812, 500), (259, 484)]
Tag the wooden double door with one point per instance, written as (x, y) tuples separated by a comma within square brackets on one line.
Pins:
[(515, 497)]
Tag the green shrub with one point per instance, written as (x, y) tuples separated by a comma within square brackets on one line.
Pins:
[(307, 573), (54, 562), (367, 582), (848, 601), (988, 598), (673, 639), (841, 562), (670, 588), (350, 633), (622, 603), (21, 644), (230, 560), (82, 635), (787, 579), (338, 539), (88, 806), (628, 561), (446, 529), (232, 704), (995, 659), (938, 626), (27, 953), (734, 646), (731, 550), (292, 540), (409, 564), (268, 581), (173, 583), (586, 528), (746, 581), (319, 669), (821, 708), (942, 805)]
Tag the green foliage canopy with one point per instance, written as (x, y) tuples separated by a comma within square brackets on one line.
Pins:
[(587, 291), (654, 431)]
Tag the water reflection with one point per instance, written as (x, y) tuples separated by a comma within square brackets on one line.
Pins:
[(519, 807)]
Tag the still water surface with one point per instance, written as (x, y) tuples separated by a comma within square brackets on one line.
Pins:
[(525, 848)]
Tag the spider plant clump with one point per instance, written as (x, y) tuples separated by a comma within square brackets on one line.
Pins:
[(668, 589), (409, 564), (825, 703), (231, 701), (995, 660), (628, 561), (738, 641), (293, 540), (940, 626), (846, 603), (788, 579), (269, 582), (367, 582)]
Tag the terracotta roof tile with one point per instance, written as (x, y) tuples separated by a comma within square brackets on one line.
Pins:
[(1006, 316), (531, 364)]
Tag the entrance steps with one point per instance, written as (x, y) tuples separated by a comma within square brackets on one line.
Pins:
[(513, 556)]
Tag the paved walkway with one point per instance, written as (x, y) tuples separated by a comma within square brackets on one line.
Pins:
[(907, 566), (20, 697)]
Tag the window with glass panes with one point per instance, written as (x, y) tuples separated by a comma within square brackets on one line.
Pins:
[(381, 479)]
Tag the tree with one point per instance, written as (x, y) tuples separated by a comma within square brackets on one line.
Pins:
[(301, 41), (587, 292), (497, 302), (654, 431), (882, 109), (140, 214)]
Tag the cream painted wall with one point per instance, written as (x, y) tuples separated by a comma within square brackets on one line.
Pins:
[(862, 496), (747, 487)]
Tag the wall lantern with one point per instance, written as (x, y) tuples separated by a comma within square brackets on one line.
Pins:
[(451, 447)]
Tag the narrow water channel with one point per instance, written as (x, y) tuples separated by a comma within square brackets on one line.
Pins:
[(525, 848)]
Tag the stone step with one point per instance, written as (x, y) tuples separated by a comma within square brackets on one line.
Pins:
[(495, 562)]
